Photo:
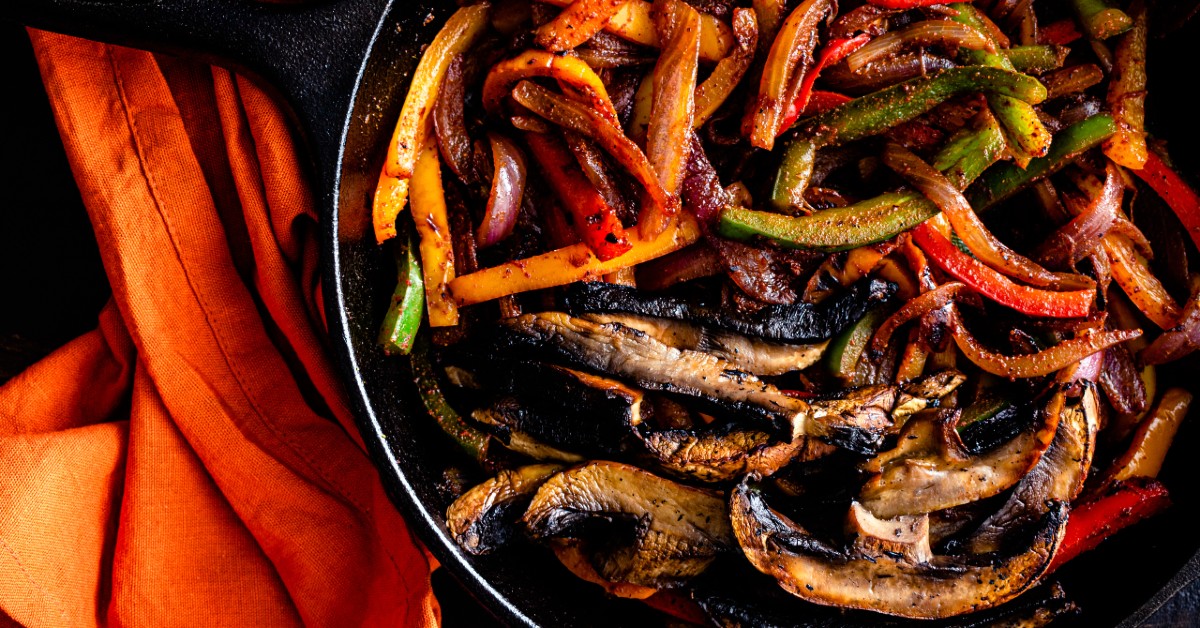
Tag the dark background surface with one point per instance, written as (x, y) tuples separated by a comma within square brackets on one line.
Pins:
[(53, 284)]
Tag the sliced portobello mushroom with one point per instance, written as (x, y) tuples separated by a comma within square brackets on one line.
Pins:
[(856, 420), (746, 353), (511, 422), (724, 454), (642, 529), (794, 323), (1058, 476), (484, 518), (931, 469), (868, 574), (564, 407)]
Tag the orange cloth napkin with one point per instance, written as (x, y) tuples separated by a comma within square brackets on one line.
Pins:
[(192, 461)]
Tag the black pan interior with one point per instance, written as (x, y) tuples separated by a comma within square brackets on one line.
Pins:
[(1119, 584)]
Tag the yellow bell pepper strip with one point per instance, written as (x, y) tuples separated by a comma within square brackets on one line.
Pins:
[(715, 89), (404, 314), (633, 22), (1139, 284), (1100, 19), (1179, 196), (643, 102), (997, 287), (1127, 95), (830, 230), (576, 24), (567, 70), (879, 111), (391, 195), (431, 217), (455, 38), (595, 221), (1043, 362), (668, 137), (1153, 438), (568, 265), (1027, 136), (472, 440), (791, 46), (1092, 522), (1004, 180)]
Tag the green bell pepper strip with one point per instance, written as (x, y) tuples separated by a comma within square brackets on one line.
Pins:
[(830, 230), (1035, 58), (471, 439), (1027, 136), (879, 111), (966, 156), (403, 317), (847, 349), (985, 408), (1100, 19), (795, 171), (1005, 180)]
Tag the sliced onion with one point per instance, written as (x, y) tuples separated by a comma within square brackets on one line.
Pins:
[(969, 227), (1123, 226), (1076, 239), (702, 192), (885, 73), (916, 308), (947, 33), (693, 262), (1178, 341), (1037, 364), (450, 125), (1139, 284), (508, 186), (1122, 382)]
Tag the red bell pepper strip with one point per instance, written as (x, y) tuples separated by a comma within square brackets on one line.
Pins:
[(991, 284), (832, 53), (677, 605), (1061, 33), (905, 4), (1182, 199), (595, 221), (823, 101), (1091, 523)]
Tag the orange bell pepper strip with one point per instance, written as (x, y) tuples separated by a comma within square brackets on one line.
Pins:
[(633, 22), (1138, 283), (991, 284), (1146, 453), (569, 71), (429, 212), (576, 24), (455, 38), (595, 221), (715, 89), (568, 265)]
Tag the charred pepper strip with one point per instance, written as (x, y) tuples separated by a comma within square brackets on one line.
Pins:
[(472, 440), (879, 111), (403, 317), (1101, 20), (1095, 521), (1004, 180), (997, 287), (595, 221), (838, 229)]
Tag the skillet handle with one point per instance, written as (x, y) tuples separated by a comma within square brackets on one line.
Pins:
[(310, 54)]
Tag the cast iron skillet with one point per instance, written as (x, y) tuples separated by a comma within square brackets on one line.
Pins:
[(343, 68)]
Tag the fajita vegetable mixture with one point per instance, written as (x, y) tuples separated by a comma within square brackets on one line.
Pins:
[(866, 298)]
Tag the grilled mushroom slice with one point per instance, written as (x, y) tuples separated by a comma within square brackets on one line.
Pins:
[(855, 421), (660, 533), (511, 423), (484, 518), (746, 353), (870, 574), (724, 454), (1058, 476), (796, 323), (930, 468)]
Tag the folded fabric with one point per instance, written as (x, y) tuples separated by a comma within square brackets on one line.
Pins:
[(192, 461)]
